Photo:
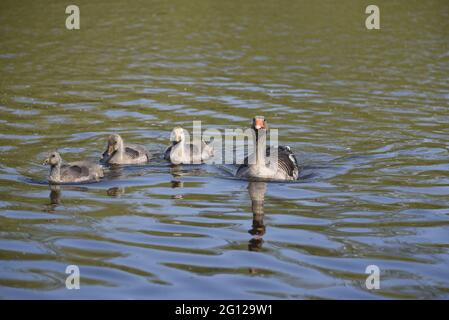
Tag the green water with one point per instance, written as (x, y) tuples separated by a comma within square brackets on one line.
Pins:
[(365, 111)]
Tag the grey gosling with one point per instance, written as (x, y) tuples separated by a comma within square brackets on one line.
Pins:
[(181, 152), (117, 152), (73, 172)]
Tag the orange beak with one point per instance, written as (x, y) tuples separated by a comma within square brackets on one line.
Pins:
[(260, 124)]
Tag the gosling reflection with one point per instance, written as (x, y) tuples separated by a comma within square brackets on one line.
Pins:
[(115, 192), (55, 198), (176, 172), (114, 172), (257, 190)]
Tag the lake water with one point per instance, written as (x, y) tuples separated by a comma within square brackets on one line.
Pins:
[(365, 111)]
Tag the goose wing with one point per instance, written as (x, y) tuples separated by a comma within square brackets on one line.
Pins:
[(77, 170), (132, 153), (287, 161), (135, 151)]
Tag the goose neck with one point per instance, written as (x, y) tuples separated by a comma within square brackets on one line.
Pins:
[(120, 150), (261, 142)]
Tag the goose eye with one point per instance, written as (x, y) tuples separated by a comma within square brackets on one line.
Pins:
[(52, 155)]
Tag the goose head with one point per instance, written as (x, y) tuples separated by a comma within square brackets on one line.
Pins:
[(53, 159), (259, 123), (177, 135), (115, 142)]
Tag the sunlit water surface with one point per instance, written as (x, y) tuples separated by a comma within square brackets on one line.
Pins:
[(366, 112)]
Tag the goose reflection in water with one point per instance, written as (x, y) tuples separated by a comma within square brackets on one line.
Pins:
[(257, 190), (114, 172), (115, 192), (176, 172), (55, 196)]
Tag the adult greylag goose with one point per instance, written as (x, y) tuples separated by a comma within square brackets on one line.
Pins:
[(255, 166), (182, 152), (117, 152), (80, 171)]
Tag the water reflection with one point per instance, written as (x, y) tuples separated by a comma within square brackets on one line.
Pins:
[(114, 172), (257, 190), (176, 172), (56, 193), (55, 198), (115, 191)]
